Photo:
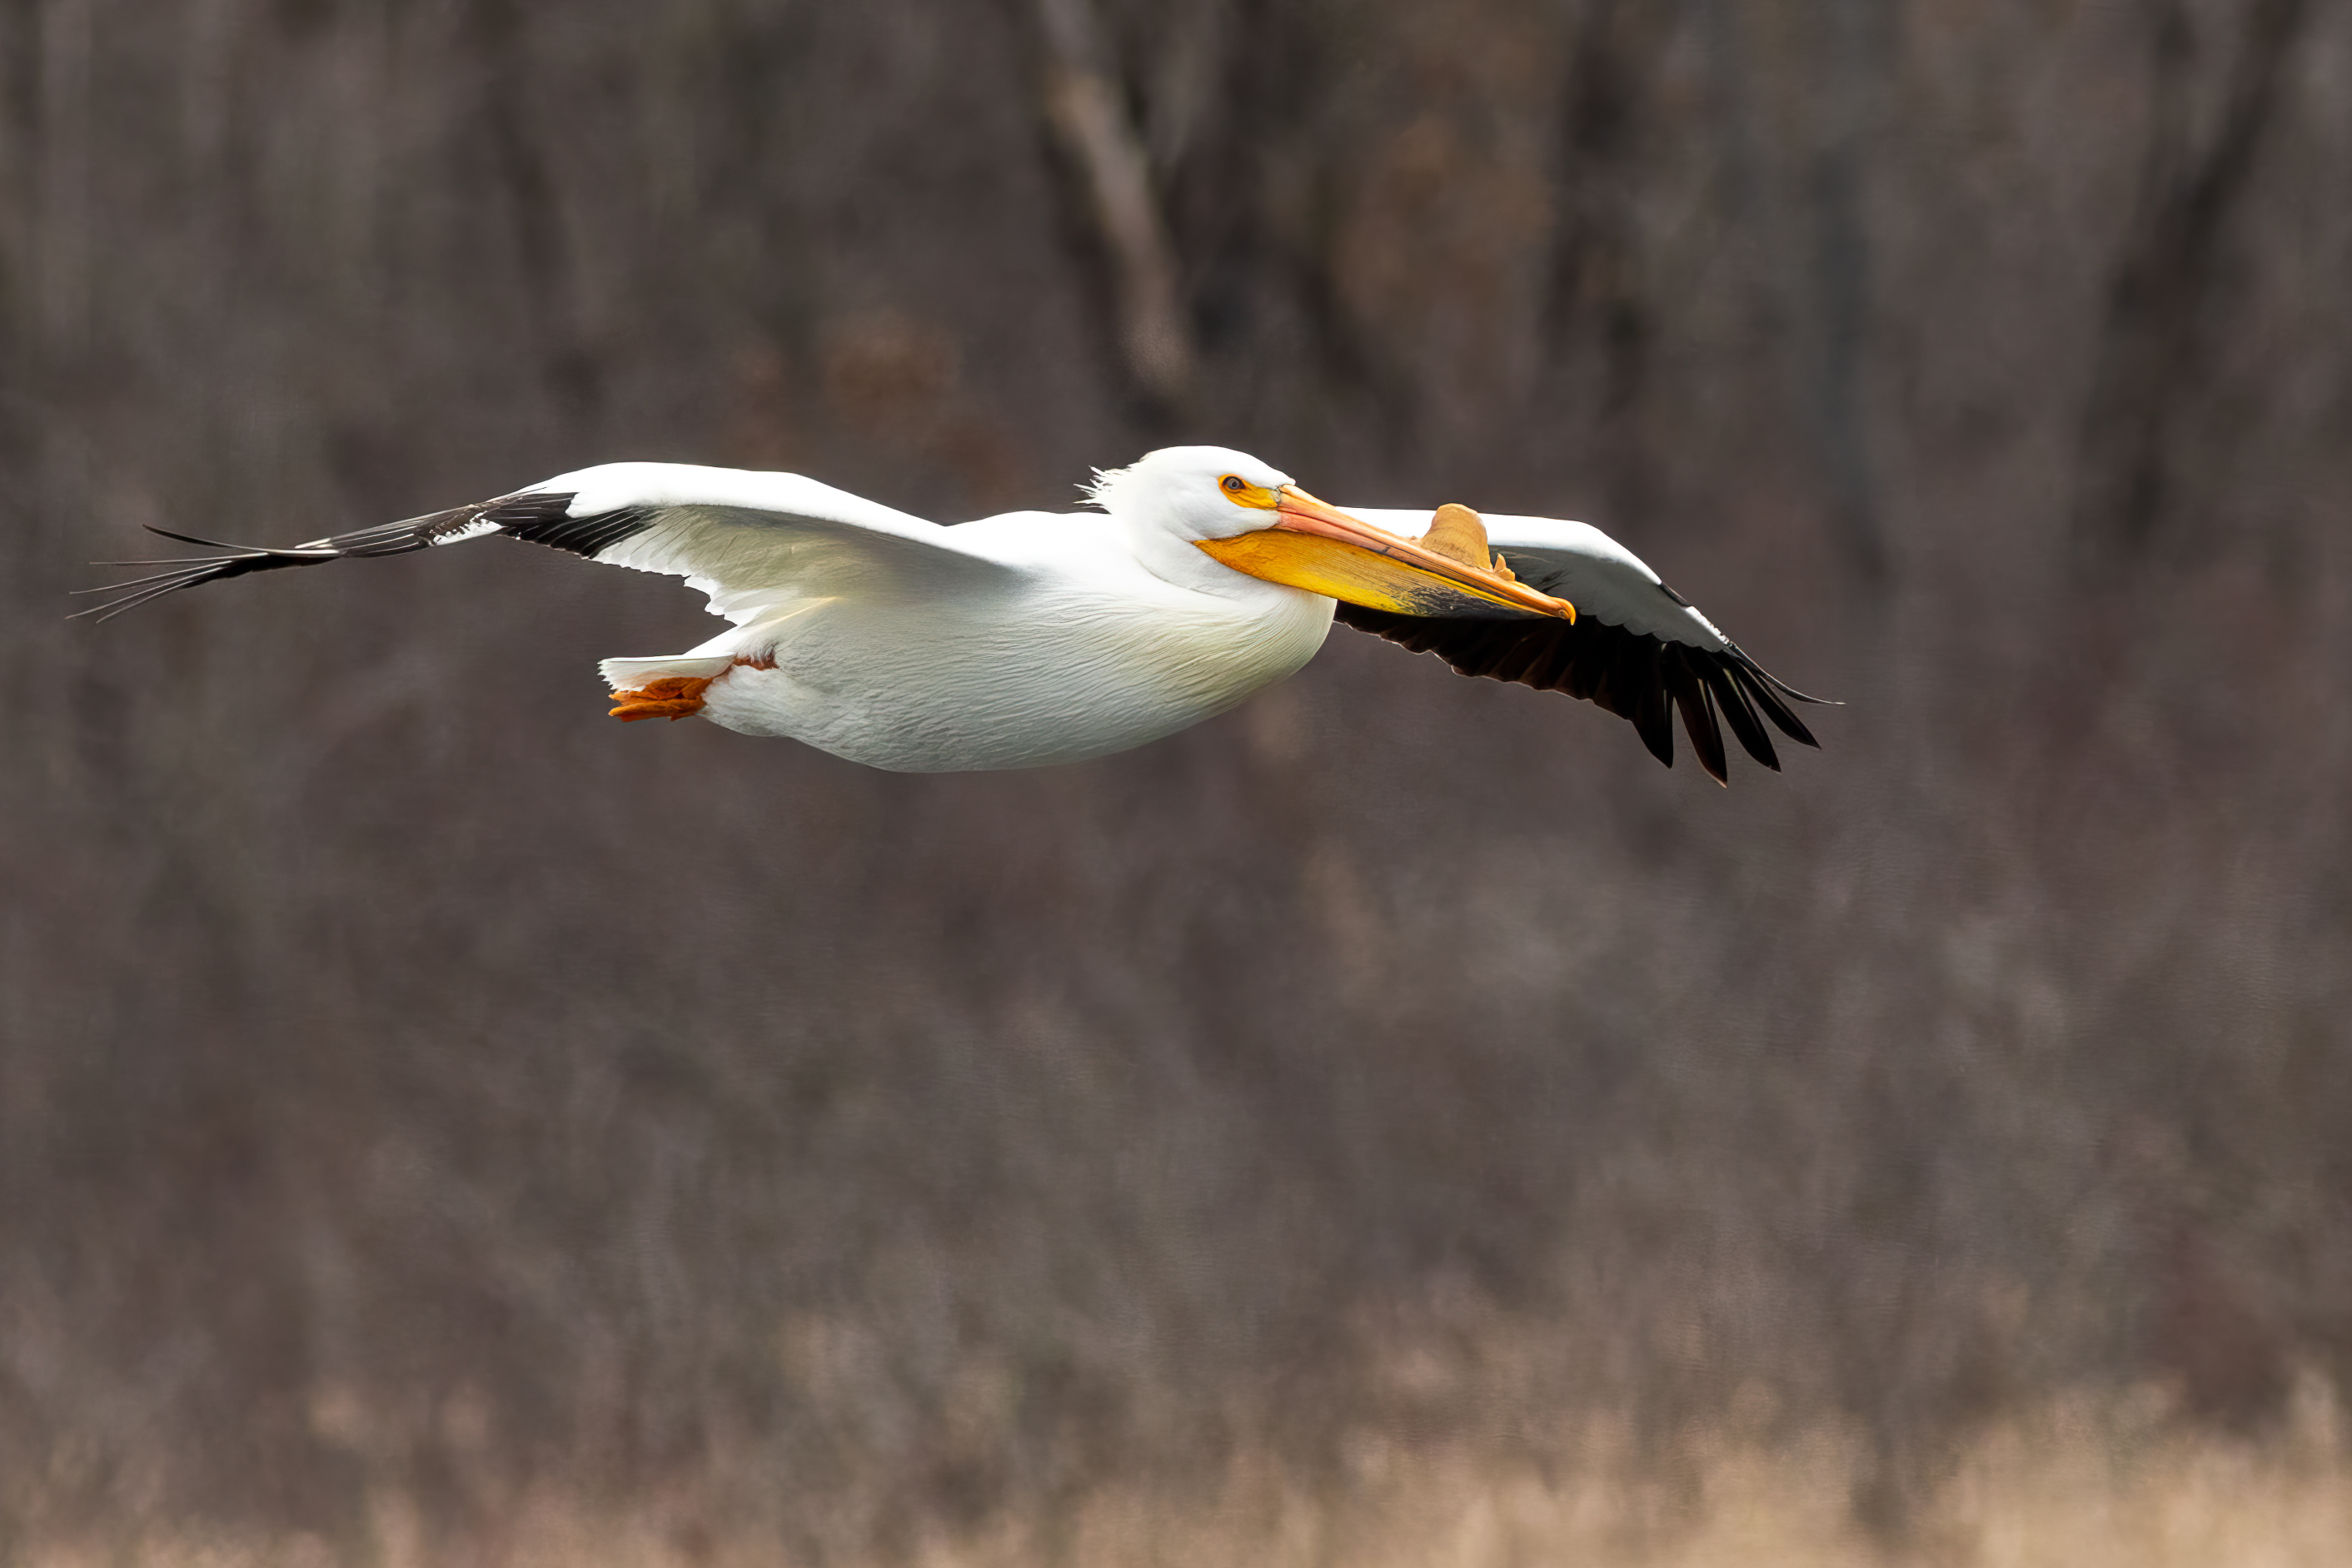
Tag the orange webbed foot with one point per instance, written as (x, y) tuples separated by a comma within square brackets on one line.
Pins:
[(672, 697)]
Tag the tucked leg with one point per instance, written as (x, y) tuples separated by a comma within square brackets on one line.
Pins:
[(672, 697)]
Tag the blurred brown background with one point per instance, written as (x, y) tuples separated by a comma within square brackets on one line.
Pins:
[(422, 1099)]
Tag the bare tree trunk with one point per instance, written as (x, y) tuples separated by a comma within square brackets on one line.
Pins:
[(1799, 211), (1090, 122), (2161, 302)]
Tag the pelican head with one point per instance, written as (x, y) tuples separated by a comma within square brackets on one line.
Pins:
[(1249, 516), (1193, 492)]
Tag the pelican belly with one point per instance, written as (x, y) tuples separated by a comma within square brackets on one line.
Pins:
[(1024, 679)]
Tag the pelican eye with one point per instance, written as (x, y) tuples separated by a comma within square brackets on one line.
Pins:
[(1242, 493)]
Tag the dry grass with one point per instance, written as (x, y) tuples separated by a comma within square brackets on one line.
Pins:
[(2077, 1485)]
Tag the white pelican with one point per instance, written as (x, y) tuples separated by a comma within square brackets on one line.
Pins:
[(1037, 637)]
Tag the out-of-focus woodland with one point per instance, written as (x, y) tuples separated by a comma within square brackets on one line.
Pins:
[(422, 1098)]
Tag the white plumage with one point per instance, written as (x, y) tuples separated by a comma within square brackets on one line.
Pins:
[(1034, 638)]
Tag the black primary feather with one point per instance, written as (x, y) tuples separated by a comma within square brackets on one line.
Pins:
[(543, 517), (1761, 687), (1688, 688), (1640, 678), (1740, 713)]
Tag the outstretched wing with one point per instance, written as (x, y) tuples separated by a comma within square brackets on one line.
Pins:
[(752, 542), (1636, 649)]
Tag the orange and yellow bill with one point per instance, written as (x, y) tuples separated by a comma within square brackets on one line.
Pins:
[(1315, 545)]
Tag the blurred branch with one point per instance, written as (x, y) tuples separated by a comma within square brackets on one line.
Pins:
[(1598, 285), (1094, 131), (2161, 295), (61, 182), (1813, 247), (1840, 276), (534, 206)]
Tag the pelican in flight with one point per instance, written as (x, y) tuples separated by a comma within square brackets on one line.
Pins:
[(1201, 576)]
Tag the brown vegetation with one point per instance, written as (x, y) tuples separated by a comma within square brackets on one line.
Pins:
[(419, 1093)]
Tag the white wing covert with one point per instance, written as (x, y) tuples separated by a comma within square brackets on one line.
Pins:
[(750, 541), (1636, 649), (1578, 562)]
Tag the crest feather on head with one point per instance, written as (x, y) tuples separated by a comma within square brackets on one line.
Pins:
[(1106, 485)]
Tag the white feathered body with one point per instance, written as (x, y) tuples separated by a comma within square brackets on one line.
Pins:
[(1076, 648)]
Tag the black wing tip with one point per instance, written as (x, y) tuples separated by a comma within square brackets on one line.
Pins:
[(192, 539), (1682, 673), (1739, 657), (1637, 676), (539, 517), (146, 589), (1765, 690), (544, 517), (193, 571)]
